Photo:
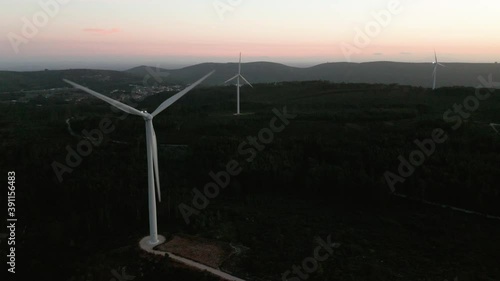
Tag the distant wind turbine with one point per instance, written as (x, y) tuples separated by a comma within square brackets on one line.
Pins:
[(238, 85), (434, 73), (152, 150)]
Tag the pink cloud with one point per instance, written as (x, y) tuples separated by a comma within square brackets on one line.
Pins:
[(101, 30)]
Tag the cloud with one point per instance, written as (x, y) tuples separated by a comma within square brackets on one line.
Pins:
[(378, 54), (405, 53), (101, 30)]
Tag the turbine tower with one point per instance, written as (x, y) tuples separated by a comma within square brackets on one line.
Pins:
[(151, 145), (434, 73), (238, 85)]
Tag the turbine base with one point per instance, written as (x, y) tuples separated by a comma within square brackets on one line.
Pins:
[(244, 113), (147, 245)]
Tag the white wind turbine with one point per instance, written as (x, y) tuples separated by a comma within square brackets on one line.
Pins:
[(434, 73), (152, 150), (238, 85)]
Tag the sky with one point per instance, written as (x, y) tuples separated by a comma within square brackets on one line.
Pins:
[(119, 34)]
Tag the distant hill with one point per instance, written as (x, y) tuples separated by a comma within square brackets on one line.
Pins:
[(256, 72), (415, 74)]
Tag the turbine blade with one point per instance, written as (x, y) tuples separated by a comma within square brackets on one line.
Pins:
[(179, 95), (441, 64), (232, 78), (435, 56), (246, 81), (111, 101), (239, 65), (154, 147)]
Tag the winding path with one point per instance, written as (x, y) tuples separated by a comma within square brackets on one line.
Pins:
[(144, 244)]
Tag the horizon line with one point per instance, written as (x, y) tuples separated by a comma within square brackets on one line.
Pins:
[(243, 63)]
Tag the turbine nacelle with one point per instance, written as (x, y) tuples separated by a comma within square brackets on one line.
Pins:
[(147, 116)]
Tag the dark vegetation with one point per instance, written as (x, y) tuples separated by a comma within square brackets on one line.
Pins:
[(324, 174)]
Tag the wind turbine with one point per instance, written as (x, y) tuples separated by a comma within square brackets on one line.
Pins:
[(434, 73), (238, 85), (152, 150)]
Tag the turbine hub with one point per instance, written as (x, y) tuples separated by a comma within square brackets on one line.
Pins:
[(148, 116)]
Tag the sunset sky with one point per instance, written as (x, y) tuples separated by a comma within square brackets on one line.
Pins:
[(118, 34)]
